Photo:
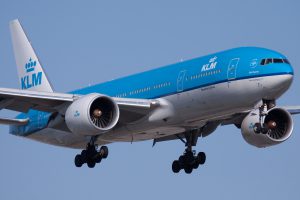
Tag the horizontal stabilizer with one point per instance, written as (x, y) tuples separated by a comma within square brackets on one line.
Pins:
[(17, 122)]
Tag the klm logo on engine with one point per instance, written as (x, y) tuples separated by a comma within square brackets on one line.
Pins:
[(212, 64), (31, 79), (77, 113)]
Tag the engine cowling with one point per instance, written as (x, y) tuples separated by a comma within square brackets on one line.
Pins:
[(279, 126), (92, 114)]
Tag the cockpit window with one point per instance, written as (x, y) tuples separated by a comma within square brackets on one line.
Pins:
[(268, 61), (277, 60), (273, 60), (286, 61)]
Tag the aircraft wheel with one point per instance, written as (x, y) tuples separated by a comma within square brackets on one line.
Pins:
[(83, 153), (189, 157), (98, 158), (181, 159), (91, 164), (104, 151), (188, 169), (201, 158), (83, 156), (196, 164), (176, 166), (78, 160)]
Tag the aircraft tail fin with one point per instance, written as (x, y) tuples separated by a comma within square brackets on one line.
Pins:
[(30, 72)]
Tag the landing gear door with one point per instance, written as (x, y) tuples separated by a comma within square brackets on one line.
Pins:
[(231, 72), (180, 80)]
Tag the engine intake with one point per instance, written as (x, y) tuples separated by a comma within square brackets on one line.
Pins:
[(102, 112), (92, 114), (278, 122)]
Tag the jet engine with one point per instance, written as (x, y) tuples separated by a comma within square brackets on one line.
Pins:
[(278, 124), (92, 114)]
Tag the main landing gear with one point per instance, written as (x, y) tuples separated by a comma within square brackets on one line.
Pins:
[(90, 155), (189, 160)]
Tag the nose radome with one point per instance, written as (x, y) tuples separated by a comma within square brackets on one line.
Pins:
[(277, 85), (289, 69), (287, 80), (284, 82)]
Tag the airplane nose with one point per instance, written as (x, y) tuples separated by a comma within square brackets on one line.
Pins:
[(278, 85), (286, 80), (289, 69)]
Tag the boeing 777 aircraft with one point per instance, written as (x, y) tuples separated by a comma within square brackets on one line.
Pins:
[(184, 101)]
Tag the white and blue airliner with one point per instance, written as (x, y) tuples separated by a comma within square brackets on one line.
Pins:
[(184, 101)]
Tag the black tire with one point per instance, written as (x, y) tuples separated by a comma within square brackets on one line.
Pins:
[(78, 161), (176, 166), (83, 156), (188, 169), (181, 160), (98, 158), (104, 151), (201, 157), (196, 165), (189, 157), (91, 164), (83, 153)]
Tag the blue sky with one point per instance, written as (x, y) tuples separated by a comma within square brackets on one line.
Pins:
[(86, 42)]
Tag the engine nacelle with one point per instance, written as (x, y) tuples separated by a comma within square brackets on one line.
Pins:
[(278, 122), (92, 114)]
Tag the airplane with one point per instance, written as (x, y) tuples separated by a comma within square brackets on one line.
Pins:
[(182, 101)]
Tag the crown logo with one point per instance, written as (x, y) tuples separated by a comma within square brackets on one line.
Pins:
[(213, 59), (29, 67)]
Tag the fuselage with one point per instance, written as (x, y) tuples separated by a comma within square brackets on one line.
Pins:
[(221, 83)]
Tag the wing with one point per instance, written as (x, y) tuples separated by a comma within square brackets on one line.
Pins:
[(24, 100), (292, 109)]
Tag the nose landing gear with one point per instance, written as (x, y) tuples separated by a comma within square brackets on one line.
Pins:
[(261, 126)]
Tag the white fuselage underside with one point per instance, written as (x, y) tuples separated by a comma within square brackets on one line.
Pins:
[(193, 109)]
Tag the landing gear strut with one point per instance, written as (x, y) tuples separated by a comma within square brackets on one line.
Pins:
[(91, 155), (262, 127), (189, 160)]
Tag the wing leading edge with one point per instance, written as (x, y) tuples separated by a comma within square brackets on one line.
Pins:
[(294, 110), (24, 100)]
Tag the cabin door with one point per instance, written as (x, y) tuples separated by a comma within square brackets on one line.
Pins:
[(180, 80), (231, 71)]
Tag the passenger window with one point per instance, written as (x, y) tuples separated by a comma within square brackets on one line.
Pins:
[(263, 62)]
